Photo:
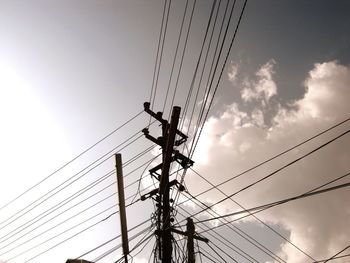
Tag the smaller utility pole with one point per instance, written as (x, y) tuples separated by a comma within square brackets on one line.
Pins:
[(122, 212), (190, 244)]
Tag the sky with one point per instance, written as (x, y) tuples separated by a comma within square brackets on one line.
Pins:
[(73, 71)]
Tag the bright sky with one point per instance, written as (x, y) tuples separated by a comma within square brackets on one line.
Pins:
[(73, 71)]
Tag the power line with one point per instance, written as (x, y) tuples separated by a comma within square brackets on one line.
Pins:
[(44, 214), (76, 234), (61, 233), (222, 239), (281, 168), (223, 67), (68, 182), (269, 205), (51, 228), (72, 160), (176, 50), (49, 194), (66, 220), (258, 219), (274, 157), (113, 249), (77, 225), (337, 257), (161, 54), (189, 94), (209, 257), (239, 232), (156, 62), (333, 257), (182, 56), (114, 238), (64, 202), (204, 64), (207, 87), (193, 79), (218, 253)]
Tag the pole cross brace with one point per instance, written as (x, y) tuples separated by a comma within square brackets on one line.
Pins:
[(159, 140), (186, 234), (159, 117), (156, 191), (184, 161)]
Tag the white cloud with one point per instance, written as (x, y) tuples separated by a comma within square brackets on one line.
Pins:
[(263, 88), (237, 140), (232, 73)]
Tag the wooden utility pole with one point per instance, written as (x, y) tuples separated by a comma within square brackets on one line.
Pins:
[(164, 189), (122, 212), (162, 195), (190, 244)]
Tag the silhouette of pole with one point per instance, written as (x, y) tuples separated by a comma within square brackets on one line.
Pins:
[(190, 245), (164, 188), (122, 212)]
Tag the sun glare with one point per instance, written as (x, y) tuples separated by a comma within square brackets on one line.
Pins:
[(31, 142)]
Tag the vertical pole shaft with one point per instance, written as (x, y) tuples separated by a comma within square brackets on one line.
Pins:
[(164, 186), (122, 212), (190, 244)]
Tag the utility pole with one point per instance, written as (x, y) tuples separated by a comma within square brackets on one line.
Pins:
[(122, 212), (167, 142), (190, 245), (164, 189)]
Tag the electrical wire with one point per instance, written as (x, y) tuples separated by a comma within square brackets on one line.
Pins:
[(72, 160), (44, 214), (223, 240), (182, 57), (61, 233), (147, 240), (189, 94), (66, 220), (209, 258), (222, 69), (198, 248), (110, 240), (333, 257), (65, 231), (218, 253), (241, 233), (281, 168), (337, 257), (244, 235), (275, 156), (268, 207), (283, 201), (175, 56), (113, 249), (161, 54), (157, 55), (68, 182), (61, 204), (204, 63), (258, 219), (209, 85)]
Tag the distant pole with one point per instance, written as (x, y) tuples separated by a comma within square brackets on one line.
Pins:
[(122, 212), (190, 244)]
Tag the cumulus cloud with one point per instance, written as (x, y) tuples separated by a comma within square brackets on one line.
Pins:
[(232, 73), (263, 87), (237, 140)]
